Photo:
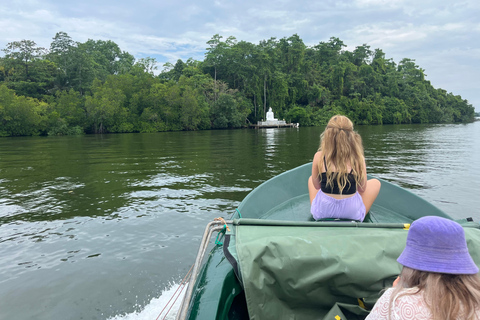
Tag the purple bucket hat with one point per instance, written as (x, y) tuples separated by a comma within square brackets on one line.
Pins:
[(437, 244)]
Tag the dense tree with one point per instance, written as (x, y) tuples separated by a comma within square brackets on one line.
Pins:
[(67, 115), (19, 115), (217, 57), (230, 111), (25, 70), (104, 108), (95, 87), (61, 50), (24, 53)]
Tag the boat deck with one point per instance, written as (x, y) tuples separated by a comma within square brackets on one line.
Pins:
[(286, 198)]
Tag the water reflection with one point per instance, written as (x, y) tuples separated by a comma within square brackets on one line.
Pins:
[(270, 146)]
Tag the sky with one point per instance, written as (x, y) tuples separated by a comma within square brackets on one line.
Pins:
[(442, 36)]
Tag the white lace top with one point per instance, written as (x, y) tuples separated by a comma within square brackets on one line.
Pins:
[(404, 307)]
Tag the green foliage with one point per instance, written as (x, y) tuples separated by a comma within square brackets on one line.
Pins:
[(229, 112), (70, 107), (23, 54), (298, 115), (105, 108), (321, 116), (19, 115), (60, 128), (95, 87)]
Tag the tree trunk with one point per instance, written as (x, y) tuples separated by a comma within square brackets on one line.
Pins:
[(265, 97), (255, 105)]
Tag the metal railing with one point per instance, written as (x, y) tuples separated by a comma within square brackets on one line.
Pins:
[(209, 230)]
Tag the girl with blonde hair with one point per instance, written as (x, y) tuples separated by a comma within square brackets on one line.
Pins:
[(338, 186), (439, 279)]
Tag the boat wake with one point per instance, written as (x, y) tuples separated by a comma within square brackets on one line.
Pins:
[(164, 307)]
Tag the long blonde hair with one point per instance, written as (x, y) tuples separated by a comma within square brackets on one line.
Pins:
[(448, 296), (340, 146)]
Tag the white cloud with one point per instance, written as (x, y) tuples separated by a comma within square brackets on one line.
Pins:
[(384, 35), (379, 3), (441, 35)]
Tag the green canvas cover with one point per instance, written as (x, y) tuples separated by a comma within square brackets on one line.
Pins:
[(311, 270)]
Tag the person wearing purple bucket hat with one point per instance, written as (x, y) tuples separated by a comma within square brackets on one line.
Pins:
[(439, 279)]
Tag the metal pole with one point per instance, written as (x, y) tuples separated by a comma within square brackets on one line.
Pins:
[(211, 227)]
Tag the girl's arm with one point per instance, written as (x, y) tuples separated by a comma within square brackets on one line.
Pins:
[(315, 173), (362, 186)]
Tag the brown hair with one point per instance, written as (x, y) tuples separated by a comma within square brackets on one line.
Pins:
[(448, 296), (341, 146)]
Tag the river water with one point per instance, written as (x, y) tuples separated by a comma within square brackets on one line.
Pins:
[(106, 226)]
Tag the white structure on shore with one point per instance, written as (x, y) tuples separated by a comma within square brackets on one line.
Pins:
[(271, 121)]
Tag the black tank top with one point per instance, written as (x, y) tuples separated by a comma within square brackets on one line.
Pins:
[(350, 187)]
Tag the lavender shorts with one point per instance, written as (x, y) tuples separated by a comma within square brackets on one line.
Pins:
[(324, 206)]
